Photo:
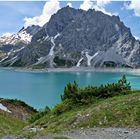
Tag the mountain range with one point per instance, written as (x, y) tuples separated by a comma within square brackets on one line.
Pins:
[(72, 38)]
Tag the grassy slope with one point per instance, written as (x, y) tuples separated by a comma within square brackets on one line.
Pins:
[(12, 123), (9, 125), (120, 111)]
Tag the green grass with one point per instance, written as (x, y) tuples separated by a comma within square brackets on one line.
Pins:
[(123, 111), (119, 111), (111, 105), (9, 125)]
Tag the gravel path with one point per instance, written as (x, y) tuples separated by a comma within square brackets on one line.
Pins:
[(99, 133)]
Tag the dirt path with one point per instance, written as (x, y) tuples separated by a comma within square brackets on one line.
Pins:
[(99, 133)]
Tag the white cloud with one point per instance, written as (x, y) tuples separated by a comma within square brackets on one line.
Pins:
[(102, 3), (7, 34), (134, 5), (99, 5), (102, 9), (86, 5), (69, 4), (50, 8), (137, 38)]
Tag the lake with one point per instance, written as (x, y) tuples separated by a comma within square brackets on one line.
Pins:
[(41, 89)]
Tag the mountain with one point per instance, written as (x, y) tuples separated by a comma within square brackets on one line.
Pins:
[(74, 37), (10, 45)]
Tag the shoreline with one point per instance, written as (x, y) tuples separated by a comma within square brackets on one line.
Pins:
[(72, 69)]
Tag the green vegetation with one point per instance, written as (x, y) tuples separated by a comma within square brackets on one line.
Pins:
[(18, 63), (110, 64), (111, 105), (62, 62), (39, 66), (40, 114), (13, 122), (75, 96), (118, 111), (84, 95), (21, 103), (9, 125)]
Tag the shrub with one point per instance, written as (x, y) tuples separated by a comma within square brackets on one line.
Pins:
[(40, 114), (74, 96), (70, 91), (137, 114), (62, 107), (84, 96)]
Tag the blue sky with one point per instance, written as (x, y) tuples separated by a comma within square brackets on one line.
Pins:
[(12, 14)]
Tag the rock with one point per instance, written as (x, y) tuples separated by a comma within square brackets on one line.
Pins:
[(126, 132), (75, 37), (35, 129), (87, 115)]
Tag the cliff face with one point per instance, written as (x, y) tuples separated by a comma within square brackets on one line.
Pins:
[(80, 38), (11, 45)]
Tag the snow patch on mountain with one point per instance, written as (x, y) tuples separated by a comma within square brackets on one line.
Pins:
[(117, 27), (51, 53), (89, 58), (79, 62), (58, 34), (24, 36), (41, 60), (50, 56), (4, 58), (15, 38), (8, 54), (18, 50), (45, 38), (4, 108)]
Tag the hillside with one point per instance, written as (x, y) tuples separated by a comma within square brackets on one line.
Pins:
[(13, 117), (117, 112), (88, 110), (9, 125), (74, 37), (112, 105)]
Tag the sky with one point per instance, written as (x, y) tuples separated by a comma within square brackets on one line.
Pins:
[(16, 14)]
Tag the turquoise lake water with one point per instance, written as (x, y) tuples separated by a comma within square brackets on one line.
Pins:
[(41, 89)]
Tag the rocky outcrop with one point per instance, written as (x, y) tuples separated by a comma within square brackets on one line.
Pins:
[(16, 109), (11, 45), (79, 38)]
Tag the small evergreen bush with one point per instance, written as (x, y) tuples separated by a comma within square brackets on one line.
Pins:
[(62, 107), (85, 95), (39, 115)]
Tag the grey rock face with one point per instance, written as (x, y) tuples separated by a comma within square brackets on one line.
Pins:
[(12, 45), (81, 38)]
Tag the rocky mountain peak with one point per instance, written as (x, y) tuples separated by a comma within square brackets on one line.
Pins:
[(74, 37)]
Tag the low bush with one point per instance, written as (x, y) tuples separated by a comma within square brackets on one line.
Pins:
[(85, 95), (75, 96), (62, 107), (39, 115)]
